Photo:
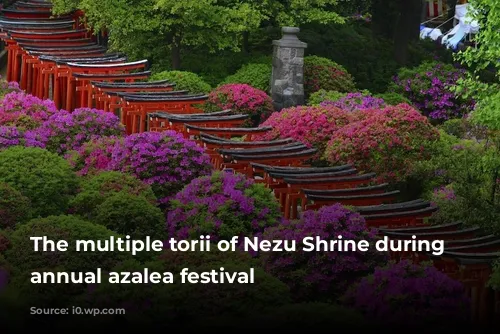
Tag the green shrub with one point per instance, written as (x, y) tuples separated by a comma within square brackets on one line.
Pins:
[(4, 240), (43, 177), (392, 98), (24, 260), (455, 127), (133, 215), (97, 188), (461, 176), (323, 95), (255, 75), (69, 228), (184, 81), (167, 303), (14, 207), (323, 73)]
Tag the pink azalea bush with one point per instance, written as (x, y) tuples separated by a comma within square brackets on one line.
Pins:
[(311, 125), (408, 294), (94, 156), (385, 141), (320, 275), (24, 110), (65, 131), (165, 160), (222, 205), (242, 99)]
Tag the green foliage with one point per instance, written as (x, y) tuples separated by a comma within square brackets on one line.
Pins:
[(294, 13), (133, 215), (215, 68), (494, 281), (374, 67), (69, 228), (14, 207), (96, 189), (43, 177), (170, 302), (461, 176), (184, 81), (323, 95), (323, 73), (487, 112), (153, 27), (392, 98), (255, 75)]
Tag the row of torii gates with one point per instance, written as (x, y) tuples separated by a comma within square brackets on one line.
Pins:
[(59, 58)]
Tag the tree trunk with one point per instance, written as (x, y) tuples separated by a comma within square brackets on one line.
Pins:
[(407, 28), (176, 53), (245, 45), (451, 13)]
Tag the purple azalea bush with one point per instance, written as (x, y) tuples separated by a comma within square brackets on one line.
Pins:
[(408, 294), (320, 275), (222, 205), (65, 131), (165, 160), (10, 136), (428, 87), (356, 101), (24, 110)]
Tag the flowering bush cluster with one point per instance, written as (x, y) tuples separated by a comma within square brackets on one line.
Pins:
[(8, 87), (65, 131), (25, 111), (323, 73), (222, 205), (242, 99), (356, 101), (312, 125), (94, 156), (164, 160), (409, 294), (386, 141), (428, 87), (318, 275), (10, 136)]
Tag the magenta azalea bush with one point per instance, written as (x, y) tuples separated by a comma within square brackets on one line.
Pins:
[(311, 125), (242, 99), (24, 110), (165, 160), (356, 101), (409, 294), (66, 131), (321, 275), (222, 205), (94, 156), (386, 141), (429, 88)]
